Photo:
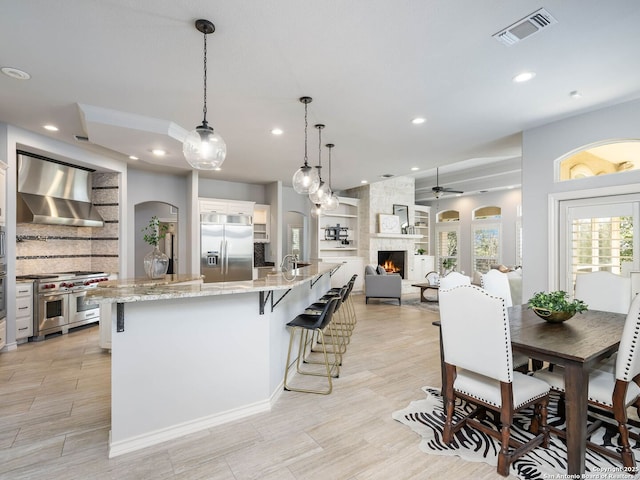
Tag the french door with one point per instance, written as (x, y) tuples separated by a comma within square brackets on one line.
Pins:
[(599, 233)]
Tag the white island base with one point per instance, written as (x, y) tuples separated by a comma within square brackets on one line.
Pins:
[(188, 363)]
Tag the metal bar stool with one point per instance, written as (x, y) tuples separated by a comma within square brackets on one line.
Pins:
[(315, 324)]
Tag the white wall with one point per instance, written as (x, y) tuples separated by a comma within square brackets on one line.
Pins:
[(508, 200), (542, 146), (158, 187), (210, 188)]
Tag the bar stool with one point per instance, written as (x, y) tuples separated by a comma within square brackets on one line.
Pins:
[(339, 330), (315, 324)]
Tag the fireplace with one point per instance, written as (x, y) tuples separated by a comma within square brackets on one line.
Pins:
[(393, 261)]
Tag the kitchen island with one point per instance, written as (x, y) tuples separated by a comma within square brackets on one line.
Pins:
[(188, 357)]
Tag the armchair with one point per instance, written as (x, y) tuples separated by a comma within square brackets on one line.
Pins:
[(379, 284)]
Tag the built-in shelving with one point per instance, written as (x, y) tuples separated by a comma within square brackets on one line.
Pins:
[(421, 227), (338, 230)]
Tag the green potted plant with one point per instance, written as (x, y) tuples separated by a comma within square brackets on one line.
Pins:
[(421, 251), (156, 263), (555, 306), (448, 264)]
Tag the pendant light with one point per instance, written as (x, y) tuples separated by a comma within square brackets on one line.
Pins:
[(306, 179), (202, 148), (322, 194), (316, 210), (332, 202)]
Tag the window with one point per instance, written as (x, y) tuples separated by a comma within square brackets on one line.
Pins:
[(486, 246), (447, 248), (614, 157), (448, 216)]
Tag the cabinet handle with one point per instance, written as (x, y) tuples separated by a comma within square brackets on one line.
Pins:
[(24, 328), (23, 308)]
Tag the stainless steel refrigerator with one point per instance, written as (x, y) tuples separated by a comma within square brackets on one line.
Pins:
[(226, 243)]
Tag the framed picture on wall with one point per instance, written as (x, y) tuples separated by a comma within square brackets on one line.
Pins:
[(388, 223)]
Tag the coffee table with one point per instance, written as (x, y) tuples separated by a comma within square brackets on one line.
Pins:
[(423, 287)]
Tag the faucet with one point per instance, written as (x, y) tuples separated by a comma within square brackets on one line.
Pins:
[(289, 258)]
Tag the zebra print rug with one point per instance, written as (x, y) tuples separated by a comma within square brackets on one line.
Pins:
[(426, 418)]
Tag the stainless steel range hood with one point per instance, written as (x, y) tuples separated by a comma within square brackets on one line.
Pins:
[(54, 194)]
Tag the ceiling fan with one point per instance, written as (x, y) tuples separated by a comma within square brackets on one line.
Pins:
[(438, 190)]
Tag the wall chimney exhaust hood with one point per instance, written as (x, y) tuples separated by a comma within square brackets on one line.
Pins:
[(54, 193)]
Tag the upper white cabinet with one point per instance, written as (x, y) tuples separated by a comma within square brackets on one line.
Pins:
[(226, 207), (421, 225), (261, 223), (338, 230)]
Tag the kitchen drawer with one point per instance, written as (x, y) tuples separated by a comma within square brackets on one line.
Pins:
[(24, 307), (24, 327), (24, 289)]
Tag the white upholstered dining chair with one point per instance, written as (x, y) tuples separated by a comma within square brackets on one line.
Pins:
[(613, 392), (473, 324), (453, 279), (497, 283), (604, 291)]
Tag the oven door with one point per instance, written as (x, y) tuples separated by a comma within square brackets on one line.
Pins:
[(52, 312), (81, 312)]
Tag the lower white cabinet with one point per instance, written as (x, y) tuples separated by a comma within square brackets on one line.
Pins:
[(350, 266), (24, 311), (3, 333), (422, 264)]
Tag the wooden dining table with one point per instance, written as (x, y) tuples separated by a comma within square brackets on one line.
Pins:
[(577, 344)]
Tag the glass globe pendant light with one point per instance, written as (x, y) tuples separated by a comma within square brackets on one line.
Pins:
[(322, 194), (306, 179), (203, 148), (332, 202), (316, 210)]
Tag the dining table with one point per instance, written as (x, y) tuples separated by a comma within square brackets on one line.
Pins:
[(578, 344)]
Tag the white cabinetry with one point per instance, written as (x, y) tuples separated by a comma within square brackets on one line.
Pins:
[(422, 264), (3, 194), (421, 226), (338, 230), (24, 311), (226, 207), (3, 333), (350, 266), (261, 223)]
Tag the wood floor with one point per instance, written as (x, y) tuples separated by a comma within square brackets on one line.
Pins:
[(55, 416)]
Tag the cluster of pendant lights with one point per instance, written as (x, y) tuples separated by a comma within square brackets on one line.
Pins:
[(308, 180)]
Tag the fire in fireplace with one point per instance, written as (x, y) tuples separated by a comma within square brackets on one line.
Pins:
[(393, 261)]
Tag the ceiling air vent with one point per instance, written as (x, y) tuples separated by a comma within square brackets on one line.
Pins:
[(387, 175), (525, 27), (81, 138)]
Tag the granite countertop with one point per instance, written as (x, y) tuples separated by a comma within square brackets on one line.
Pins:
[(147, 289), (151, 282)]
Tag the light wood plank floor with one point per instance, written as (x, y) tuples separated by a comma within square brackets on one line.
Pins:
[(55, 416)]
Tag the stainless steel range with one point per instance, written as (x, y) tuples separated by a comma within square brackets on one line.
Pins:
[(59, 303)]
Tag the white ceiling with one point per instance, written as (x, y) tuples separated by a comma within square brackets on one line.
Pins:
[(128, 74)]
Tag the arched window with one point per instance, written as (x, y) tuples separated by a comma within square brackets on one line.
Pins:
[(487, 213), (448, 216), (601, 159)]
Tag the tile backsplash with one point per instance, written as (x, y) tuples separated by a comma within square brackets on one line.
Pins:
[(59, 248)]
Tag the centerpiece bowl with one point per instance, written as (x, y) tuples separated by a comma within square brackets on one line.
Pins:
[(554, 307)]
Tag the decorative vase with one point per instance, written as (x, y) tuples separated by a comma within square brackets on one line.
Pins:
[(156, 263)]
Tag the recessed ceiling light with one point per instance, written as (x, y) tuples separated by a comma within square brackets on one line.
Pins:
[(217, 169), (524, 77), (418, 120), (415, 169), (15, 73), (133, 157), (364, 181), (277, 131), (458, 194), (51, 128), (510, 187), (575, 94), (159, 152)]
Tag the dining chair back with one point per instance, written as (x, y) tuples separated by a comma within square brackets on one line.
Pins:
[(472, 319), (604, 291), (497, 283), (453, 279)]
